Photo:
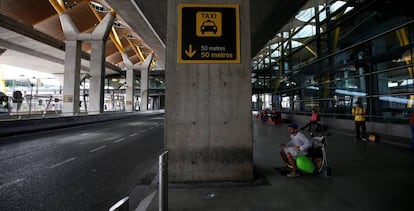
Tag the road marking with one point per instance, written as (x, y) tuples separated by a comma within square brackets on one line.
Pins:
[(151, 128), (99, 148), (119, 140), (10, 183), (63, 162), (132, 135), (143, 131)]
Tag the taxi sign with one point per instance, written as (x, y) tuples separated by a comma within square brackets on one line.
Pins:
[(208, 33)]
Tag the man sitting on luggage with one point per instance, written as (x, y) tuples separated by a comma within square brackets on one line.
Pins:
[(298, 145)]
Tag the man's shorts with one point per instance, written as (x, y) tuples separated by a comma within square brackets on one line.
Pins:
[(291, 150)]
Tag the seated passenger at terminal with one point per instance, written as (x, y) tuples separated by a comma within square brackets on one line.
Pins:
[(313, 123), (298, 145)]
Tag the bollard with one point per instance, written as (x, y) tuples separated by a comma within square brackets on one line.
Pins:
[(163, 182)]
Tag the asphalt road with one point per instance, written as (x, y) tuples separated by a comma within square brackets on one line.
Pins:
[(88, 167)]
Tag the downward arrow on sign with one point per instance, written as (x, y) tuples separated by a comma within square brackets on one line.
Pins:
[(190, 53)]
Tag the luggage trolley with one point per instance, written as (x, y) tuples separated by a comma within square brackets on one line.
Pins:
[(318, 154)]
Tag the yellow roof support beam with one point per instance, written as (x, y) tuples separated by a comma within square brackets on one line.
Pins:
[(335, 38), (410, 102), (58, 5), (311, 51), (153, 64), (140, 57), (402, 37), (113, 35)]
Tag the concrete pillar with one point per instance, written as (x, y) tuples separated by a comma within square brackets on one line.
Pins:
[(156, 102), (96, 82), (72, 63), (208, 128), (130, 80), (144, 68), (97, 77), (71, 78), (130, 84)]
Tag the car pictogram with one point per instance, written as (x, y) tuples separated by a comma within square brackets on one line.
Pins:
[(208, 26)]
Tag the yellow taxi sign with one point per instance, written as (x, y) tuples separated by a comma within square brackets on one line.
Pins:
[(208, 33), (208, 24)]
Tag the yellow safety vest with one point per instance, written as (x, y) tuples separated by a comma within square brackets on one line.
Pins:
[(359, 114)]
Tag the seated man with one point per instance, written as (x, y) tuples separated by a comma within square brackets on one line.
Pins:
[(313, 123), (298, 145)]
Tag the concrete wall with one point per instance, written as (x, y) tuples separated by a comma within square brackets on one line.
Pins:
[(208, 129)]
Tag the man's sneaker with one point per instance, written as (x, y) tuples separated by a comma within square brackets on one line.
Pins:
[(293, 174), (364, 139)]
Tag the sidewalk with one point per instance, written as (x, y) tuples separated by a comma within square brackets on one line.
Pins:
[(366, 176)]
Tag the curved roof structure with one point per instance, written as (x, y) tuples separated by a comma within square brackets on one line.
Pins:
[(31, 29)]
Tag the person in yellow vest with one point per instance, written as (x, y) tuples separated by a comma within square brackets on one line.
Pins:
[(359, 118)]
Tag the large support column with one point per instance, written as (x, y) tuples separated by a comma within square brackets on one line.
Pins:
[(156, 102), (130, 90), (72, 67), (72, 63), (208, 125), (96, 82), (130, 85), (144, 68), (71, 78), (97, 77)]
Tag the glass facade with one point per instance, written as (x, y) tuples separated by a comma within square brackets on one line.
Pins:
[(44, 95), (337, 55)]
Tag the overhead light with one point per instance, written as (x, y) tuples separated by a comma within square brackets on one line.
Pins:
[(99, 7), (131, 37), (118, 24)]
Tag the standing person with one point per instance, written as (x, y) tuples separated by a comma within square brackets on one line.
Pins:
[(298, 145), (313, 123), (412, 130), (359, 118)]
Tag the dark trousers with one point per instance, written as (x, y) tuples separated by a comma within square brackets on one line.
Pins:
[(360, 125), (312, 125), (412, 136)]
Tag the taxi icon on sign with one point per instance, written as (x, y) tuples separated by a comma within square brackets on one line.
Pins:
[(208, 26)]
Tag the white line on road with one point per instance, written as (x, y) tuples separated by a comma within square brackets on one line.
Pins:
[(99, 148), (119, 140), (10, 183), (143, 131), (132, 135), (63, 162)]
